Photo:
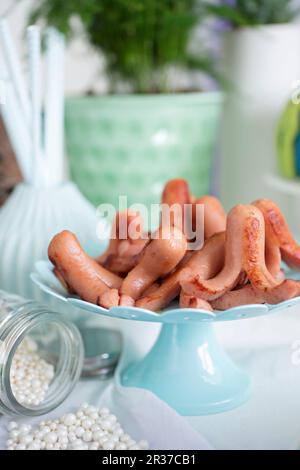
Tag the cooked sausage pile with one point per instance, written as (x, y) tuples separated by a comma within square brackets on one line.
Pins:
[(239, 263)]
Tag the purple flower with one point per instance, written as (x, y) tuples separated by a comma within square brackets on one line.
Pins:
[(221, 24)]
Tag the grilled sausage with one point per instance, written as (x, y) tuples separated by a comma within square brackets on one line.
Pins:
[(249, 295), (214, 215), (81, 273), (244, 252), (160, 257), (207, 262), (190, 301), (278, 226)]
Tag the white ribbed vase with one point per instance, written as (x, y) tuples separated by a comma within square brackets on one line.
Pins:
[(28, 221)]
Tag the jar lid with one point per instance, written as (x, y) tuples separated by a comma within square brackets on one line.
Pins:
[(102, 349)]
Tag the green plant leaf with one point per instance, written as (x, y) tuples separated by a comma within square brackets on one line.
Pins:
[(228, 13)]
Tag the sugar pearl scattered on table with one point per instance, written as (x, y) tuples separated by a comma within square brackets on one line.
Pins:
[(88, 428), (30, 375)]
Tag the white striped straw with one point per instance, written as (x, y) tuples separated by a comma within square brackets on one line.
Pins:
[(14, 69), (34, 56), (54, 105), (17, 132)]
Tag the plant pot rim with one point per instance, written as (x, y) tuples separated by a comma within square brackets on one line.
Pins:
[(264, 27), (142, 99)]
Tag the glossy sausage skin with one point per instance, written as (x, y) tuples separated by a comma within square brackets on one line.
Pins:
[(207, 262), (190, 301), (110, 298), (176, 191), (176, 195), (249, 295), (214, 215), (125, 243), (160, 257), (82, 274), (277, 224), (244, 252), (272, 254)]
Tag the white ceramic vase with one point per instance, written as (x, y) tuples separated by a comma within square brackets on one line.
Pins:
[(28, 221), (261, 65)]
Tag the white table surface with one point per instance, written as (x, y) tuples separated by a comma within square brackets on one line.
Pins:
[(270, 419)]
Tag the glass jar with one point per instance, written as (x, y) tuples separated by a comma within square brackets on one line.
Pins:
[(41, 356)]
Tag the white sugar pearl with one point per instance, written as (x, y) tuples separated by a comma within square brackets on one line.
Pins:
[(125, 438), (72, 437), (118, 432), (95, 427), (45, 429), (77, 442), (121, 446), (87, 423), (14, 433), (130, 443), (30, 374), (104, 411), (68, 419), (95, 431), (106, 425), (63, 440), (61, 428), (79, 431), (50, 437), (26, 439), (34, 446), (108, 445), (11, 425), (24, 429), (143, 444), (112, 419), (103, 440), (94, 446), (87, 436), (97, 435), (90, 410)]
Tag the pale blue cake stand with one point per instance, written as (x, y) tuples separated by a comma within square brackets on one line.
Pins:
[(186, 367)]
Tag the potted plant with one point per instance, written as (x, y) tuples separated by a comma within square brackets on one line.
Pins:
[(145, 130), (261, 61)]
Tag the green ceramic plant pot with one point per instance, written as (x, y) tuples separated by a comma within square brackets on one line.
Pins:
[(131, 145)]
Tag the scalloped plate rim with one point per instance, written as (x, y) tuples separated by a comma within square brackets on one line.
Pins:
[(44, 274)]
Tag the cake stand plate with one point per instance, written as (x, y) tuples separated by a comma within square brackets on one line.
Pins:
[(186, 367)]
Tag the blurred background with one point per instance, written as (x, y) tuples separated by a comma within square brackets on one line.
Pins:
[(208, 91), (154, 54)]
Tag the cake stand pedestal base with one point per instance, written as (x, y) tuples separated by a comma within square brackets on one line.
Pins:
[(189, 370)]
